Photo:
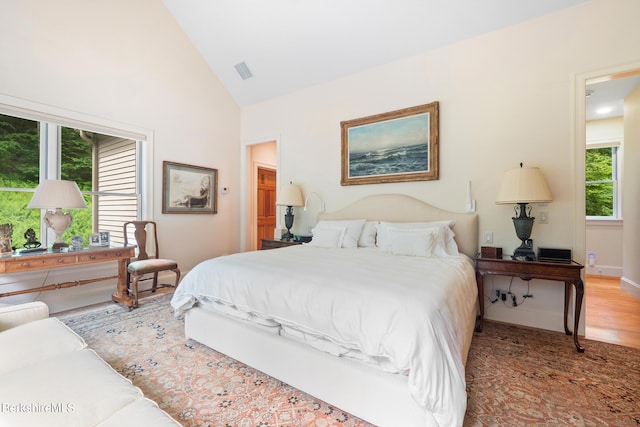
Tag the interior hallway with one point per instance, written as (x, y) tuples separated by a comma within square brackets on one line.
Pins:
[(612, 315)]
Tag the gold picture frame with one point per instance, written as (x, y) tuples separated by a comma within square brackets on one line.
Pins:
[(397, 146)]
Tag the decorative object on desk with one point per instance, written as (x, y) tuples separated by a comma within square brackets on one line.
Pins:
[(289, 196), (94, 239), (189, 189), (76, 242), (32, 240), (397, 146), (6, 230), (5, 246), (57, 194), (490, 252), (104, 238), (522, 186)]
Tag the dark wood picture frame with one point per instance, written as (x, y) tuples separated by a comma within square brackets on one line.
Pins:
[(397, 146), (188, 189)]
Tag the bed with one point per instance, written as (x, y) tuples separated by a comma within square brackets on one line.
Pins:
[(380, 329)]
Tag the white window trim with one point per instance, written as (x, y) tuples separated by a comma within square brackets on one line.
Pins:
[(46, 113), (604, 143)]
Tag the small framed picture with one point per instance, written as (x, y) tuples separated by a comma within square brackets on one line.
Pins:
[(94, 239), (5, 245), (104, 238)]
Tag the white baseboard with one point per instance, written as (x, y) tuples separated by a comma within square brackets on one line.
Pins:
[(630, 287), (604, 270)]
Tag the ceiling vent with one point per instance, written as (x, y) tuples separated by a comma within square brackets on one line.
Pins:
[(243, 70)]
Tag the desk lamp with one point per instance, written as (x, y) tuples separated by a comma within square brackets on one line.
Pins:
[(57, 194)]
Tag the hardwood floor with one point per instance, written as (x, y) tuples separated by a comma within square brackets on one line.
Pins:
[(612, 315)]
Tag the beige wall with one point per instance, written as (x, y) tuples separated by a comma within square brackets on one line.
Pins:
[(128, 63), (631, 202), (505, 97)]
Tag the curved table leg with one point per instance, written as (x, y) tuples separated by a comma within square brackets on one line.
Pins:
[(579, 285), (480, 318), (567, 296)]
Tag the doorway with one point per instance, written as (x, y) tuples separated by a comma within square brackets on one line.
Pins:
[(610, 312), (260, 170)]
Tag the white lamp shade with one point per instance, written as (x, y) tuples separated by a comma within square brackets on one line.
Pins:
[(523, 185), (290, 195), (54, 193)]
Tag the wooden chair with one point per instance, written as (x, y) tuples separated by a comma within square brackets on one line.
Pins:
[(147, 263)]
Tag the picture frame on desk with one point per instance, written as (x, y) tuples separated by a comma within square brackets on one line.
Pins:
[(94, 239), (104, 238)]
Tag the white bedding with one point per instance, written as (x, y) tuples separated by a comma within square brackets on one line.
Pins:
[(410, 312)]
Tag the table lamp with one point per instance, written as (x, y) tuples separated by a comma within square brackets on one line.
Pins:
[(57, 194), (523, 186), (289, 196)]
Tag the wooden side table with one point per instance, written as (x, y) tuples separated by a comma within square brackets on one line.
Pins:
[(274, 244), (569, 273)]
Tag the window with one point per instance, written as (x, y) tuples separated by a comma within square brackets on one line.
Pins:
[(602, 181), (105, 168)]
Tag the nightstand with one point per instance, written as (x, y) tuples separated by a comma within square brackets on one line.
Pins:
[(569, 273), (274, 244)]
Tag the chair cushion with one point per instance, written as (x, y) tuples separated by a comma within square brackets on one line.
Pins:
[(151, 266)]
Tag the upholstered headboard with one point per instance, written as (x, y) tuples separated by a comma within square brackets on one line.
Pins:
[(402, 208)]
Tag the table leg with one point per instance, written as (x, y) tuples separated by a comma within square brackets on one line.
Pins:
[(579, 285), (567, 297), (122, 295), (480, 318)]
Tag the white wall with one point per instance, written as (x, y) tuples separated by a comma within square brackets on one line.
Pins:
[(631, 202), (505, 97), (129, 63)]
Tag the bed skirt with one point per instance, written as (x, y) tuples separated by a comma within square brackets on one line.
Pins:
[(376, 396)]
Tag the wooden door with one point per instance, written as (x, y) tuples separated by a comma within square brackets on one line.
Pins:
[(266, 204)]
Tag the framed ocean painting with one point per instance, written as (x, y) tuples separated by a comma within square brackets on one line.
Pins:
[(396, 146)]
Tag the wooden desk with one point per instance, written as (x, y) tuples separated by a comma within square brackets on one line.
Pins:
[(19, 263), (569, 273)]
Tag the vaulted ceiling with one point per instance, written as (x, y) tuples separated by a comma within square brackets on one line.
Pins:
[(291, 44)]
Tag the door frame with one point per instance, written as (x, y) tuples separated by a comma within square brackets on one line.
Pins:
[(248, 190), (579, 163)]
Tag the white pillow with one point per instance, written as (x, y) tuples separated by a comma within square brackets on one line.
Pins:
[(328, 237), (368, 236), (445, 246), (352, 233), (414, 242)]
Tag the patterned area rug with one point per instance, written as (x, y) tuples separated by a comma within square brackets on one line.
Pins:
[(522, 376), (193, 383), (515, 376)]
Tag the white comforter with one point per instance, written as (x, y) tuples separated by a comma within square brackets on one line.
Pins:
[(411, 311)]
